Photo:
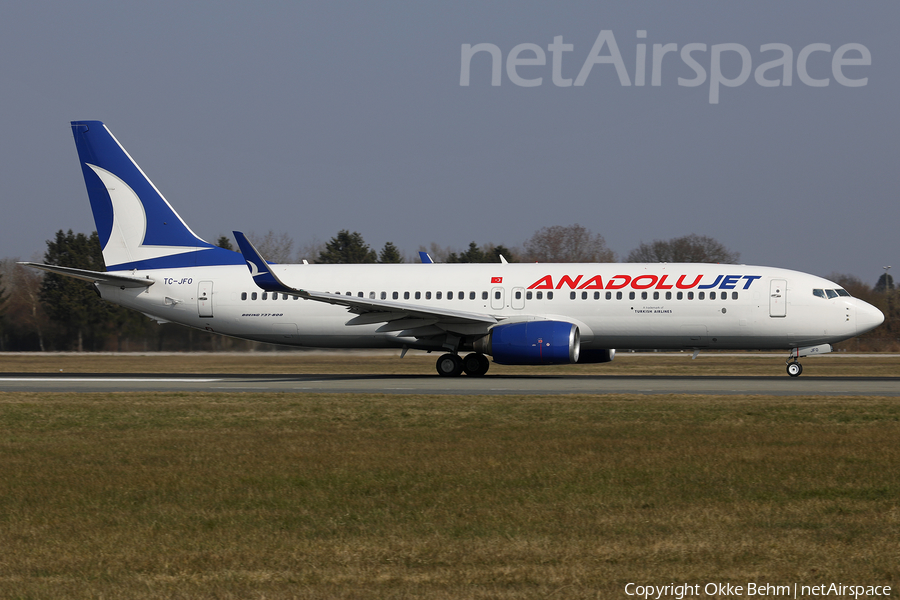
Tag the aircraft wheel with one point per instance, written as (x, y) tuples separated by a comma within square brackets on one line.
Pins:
[(475, 364), (794, 369), (449, 365)]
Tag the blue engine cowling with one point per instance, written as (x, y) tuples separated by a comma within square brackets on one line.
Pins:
[(532, 343)]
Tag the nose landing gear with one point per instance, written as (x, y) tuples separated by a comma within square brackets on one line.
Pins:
[(794, 369)]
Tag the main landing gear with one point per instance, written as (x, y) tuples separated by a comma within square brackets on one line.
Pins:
[(451, 365)]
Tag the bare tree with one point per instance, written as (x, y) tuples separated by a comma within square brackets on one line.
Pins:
[(687, 249), (567, 244), (275, 247)]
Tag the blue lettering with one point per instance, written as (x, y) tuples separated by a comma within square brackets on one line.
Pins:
[(711, 285), (729, 282), (750, 279)]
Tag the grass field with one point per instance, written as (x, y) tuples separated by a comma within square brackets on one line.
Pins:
[(625, 363), (370, 496)]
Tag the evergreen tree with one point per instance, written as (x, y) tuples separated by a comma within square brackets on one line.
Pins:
[(885, 283), (347, 248), (473, 255), (74, 304), (224, 242), (390, 254)]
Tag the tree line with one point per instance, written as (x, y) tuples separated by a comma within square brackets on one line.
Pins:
[(42, 311)]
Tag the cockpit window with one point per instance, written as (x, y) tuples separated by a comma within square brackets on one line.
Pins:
[(842, 292), (831, 294), (819, 293)]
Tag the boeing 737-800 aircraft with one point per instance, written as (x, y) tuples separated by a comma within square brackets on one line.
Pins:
[(518, 314)]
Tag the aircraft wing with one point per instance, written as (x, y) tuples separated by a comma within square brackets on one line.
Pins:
[(123, 281), (408, 316)]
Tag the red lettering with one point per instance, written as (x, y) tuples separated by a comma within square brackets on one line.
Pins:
[(626, 279), (661, 285), (685, 287), (643, 286), (544, 283), (594, 283), (566, 279)]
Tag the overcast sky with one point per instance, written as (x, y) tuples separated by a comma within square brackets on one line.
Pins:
[(311, 117)]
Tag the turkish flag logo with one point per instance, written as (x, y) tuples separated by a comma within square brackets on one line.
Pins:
[(496, 280)]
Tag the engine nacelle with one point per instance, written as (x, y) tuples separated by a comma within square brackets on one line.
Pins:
[(532, 343), (596, 355)]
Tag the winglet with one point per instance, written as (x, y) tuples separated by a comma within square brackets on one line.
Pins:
[(425, 258), (259, 268)]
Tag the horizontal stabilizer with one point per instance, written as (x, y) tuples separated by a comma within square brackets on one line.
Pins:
[(94, 276)]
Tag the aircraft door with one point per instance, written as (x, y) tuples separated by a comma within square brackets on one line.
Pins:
[(518, 298), (778, 298), (497, 301), (204, 299)]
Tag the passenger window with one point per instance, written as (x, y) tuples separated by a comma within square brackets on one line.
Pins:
[(631, 295), (461, 296), (609, 295), (265, 295), (571, 295), (518, 295), (497, 295), (690, 295), (734, 295), (584, 295), (471, 295), (831, 294), (528, 295), (437, 295), (484, 295), (668, 295), (679, 296), (395, 296), (656, 295), (540, 295), (243, 295), (406, 295), (596, 295), (449, 295), (643, 295), (701, 295), (549, 295), (618, 295), (819, 293), (712, 295), (360, 294), (428, 295), (384, 295), (418, 295), (371, 295)]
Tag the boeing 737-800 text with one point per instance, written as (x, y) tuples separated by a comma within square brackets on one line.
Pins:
[(518, 314)]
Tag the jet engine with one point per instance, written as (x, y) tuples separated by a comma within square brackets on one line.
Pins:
[(532, 343)]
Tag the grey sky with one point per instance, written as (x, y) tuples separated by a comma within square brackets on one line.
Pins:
[(310, 117)]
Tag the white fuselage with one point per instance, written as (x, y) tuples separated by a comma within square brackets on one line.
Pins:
[(617, 305)]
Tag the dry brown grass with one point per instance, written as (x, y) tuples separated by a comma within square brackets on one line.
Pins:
[(368, 496), (355, 362)]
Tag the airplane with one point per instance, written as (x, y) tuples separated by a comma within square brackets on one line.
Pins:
[(515, 313)]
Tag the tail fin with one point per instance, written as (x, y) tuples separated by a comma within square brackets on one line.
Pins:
[(138, 228)]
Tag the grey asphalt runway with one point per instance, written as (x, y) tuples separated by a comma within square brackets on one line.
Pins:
[(433, 384)]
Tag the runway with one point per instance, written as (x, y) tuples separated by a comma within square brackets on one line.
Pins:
[(433, 384)]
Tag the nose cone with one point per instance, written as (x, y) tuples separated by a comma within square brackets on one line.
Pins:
[(867, 318)]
